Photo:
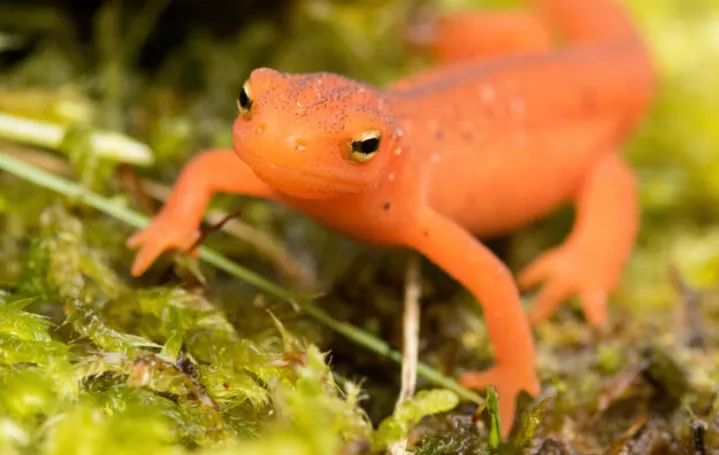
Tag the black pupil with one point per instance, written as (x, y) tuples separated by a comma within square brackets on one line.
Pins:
[(244, 99), (367, 146)]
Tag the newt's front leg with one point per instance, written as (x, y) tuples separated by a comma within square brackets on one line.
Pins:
[(463, 257), (177, 224), (589, 263)]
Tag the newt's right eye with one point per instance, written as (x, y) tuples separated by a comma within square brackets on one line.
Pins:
[(244, 101)]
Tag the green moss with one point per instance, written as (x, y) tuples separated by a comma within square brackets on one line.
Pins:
[(162, 358), (408, 413)]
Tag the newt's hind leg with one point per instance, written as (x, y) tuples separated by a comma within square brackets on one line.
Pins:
[(589, 263), (472, 36)]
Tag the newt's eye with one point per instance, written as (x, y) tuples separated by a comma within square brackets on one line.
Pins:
[(364, 146), (244, 100)]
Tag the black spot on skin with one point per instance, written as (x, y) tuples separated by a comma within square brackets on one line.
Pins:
[(386, 206), (466, 136), (439, 135), (425, 233)]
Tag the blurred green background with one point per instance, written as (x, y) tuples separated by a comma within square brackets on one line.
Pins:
[(94, 362)]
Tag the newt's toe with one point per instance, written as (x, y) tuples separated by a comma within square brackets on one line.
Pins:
[(594, 305), (564, 273)]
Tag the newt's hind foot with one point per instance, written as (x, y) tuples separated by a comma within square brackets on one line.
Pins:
[(508, 381), (567, 271)]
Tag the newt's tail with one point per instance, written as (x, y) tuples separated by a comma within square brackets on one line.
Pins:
[(601, 23), (588, 21)]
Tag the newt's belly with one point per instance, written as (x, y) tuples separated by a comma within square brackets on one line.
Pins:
[(514, 179)]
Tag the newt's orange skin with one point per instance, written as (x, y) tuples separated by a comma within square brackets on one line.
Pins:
[(494, 138)]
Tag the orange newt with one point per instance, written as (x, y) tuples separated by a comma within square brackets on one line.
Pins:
[(490, 140)]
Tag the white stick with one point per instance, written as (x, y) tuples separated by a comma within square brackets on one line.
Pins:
[(410, 348)]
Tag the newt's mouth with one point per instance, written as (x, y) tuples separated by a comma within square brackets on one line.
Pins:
[(308, 183)]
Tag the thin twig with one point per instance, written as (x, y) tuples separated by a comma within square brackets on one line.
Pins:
[(410, 347), (214, 227), (132, 218), (689, 325), (132, 184), (193, 280), (263, 243)]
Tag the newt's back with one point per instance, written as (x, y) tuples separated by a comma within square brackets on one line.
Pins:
[(508, 139)]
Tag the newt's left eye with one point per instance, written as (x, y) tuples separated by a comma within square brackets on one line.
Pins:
[(244, 100), (364, 146)]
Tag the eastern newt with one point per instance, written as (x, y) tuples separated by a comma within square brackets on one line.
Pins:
[(502, 132)]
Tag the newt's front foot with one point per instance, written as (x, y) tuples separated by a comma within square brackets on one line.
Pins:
[(509, 381), (571, 270), (165, 232)]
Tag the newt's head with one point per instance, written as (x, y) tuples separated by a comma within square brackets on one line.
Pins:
[(313, 135)]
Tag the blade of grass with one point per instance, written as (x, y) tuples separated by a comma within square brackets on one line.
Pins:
[(132, 218), (106, 144)]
